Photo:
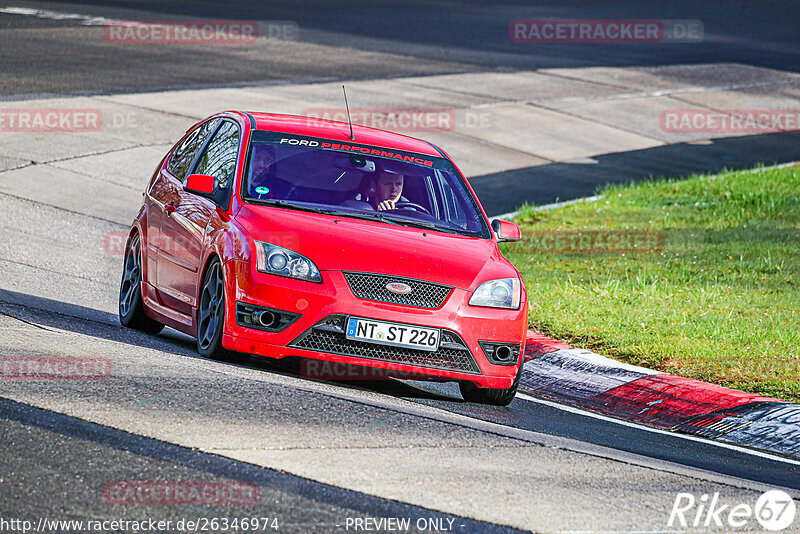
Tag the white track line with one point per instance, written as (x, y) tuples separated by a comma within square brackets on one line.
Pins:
[(86, 20), (579, 411)]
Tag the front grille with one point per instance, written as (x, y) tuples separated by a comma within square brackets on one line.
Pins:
[(328, 336), (373, 287)]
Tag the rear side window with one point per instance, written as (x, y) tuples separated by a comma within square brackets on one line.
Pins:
[(182, 157), (219, 158)]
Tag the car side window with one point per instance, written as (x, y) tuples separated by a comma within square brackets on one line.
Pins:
[(182, 157), (219, 157)]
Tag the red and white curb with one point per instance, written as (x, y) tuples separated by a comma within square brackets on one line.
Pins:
[(569, 375)]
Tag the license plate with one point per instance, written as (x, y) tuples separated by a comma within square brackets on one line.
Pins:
[(395, 334)]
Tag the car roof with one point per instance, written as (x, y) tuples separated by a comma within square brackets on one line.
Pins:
[(340, 131)]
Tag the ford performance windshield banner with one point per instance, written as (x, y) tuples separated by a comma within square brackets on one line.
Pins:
[(350, 148)]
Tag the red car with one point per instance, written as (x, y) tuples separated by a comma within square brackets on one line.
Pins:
[(284, 236)]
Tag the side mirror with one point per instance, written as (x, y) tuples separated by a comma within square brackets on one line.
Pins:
[(200, 184), (506, 231)]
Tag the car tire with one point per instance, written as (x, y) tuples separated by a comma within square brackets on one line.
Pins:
[(495, 397), (131, 307), (211, 317)]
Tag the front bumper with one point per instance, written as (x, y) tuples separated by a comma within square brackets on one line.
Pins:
[(461, 324)]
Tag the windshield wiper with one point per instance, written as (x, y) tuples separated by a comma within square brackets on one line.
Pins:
[(290, 205), (409, 222), (368, 216), (421, 224)]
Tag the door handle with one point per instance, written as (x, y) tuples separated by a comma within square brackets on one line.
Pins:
[(169, 208)]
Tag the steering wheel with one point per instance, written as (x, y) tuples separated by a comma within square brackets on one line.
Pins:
[(404, 204)]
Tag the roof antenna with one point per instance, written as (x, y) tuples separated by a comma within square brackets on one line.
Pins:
[(348, 114)]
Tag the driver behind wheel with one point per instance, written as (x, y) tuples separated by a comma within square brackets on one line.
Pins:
[(388, 191)]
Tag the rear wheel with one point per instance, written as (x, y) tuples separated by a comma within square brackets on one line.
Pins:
[(495, 397), (211, 317), (131, 307)]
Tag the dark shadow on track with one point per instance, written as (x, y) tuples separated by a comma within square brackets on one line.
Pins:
[(400, 39), (506, 191), (521, 413), (48, 313), (530, 415), (180, 458), (477, 32)]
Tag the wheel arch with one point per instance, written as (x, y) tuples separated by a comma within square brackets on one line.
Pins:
[(227, 245)]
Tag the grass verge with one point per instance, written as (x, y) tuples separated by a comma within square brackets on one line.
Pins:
[(697, 277)]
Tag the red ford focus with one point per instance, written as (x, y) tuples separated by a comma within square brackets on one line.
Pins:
[(286, 236)]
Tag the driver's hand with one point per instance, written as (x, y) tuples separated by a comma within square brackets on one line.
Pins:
[(386, 205)]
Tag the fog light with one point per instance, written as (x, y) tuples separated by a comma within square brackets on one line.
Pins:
[(501, 353), (261, 318), (265, 318)]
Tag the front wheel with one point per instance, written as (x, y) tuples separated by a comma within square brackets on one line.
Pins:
[(211, 317), (131, 307), (494, 397)]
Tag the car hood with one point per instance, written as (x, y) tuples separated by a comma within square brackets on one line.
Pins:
[(348, 244)]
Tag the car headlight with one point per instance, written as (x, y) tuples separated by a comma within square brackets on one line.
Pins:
[(503, 293), (273, 259)]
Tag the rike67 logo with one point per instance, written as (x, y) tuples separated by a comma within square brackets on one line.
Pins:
[(774, 511)]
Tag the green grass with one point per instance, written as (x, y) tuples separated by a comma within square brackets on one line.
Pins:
[(719, 301)]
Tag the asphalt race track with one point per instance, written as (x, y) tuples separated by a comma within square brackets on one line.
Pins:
[(400, 442), (321, 454), (369, 40)]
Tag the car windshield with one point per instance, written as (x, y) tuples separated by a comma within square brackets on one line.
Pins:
[(356, 180)]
